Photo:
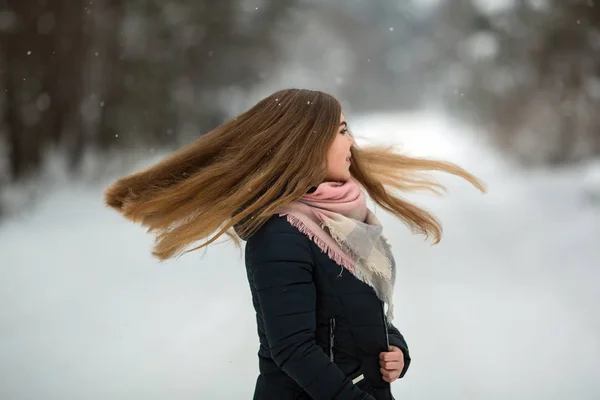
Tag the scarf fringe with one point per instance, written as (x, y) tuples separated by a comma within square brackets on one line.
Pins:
[(325, 248), (386, 273), (340, 261), (390, 313), (362, 269)]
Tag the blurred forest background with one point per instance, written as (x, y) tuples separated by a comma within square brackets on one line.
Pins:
[(505, 307), (105, 75)]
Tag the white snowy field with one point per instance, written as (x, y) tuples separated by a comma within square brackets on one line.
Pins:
[(505, 307)]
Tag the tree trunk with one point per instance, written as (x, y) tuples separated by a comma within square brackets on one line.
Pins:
[(70, 43), (26, 55), (44, 48)]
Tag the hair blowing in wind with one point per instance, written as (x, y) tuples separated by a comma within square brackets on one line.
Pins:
[(241, 172)]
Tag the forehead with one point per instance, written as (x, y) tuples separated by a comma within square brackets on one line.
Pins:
[(342, 117)]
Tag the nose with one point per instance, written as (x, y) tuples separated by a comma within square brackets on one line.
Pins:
[(351, 139)]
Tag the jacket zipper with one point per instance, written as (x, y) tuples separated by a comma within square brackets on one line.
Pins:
[(331, 338), (385, 327), (387, 337)]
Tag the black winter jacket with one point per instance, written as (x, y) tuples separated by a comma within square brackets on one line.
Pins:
[(319, 327)]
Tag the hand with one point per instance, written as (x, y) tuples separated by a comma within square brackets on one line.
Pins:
[(392, 364)]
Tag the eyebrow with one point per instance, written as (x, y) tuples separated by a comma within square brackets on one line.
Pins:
[(344, 124)]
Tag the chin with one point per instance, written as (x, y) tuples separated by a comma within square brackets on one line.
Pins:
[(341, 177), (344, 178)]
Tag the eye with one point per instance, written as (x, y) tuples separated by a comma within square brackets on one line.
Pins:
[(344, 131)]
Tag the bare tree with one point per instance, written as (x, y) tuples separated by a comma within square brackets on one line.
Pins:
[(43, 47), (111, 73)]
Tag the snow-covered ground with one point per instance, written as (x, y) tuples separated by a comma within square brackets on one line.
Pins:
[(505, 307)]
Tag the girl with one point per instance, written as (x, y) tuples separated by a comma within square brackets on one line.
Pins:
[(287, 177)]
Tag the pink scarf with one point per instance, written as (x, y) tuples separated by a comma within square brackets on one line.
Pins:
[(337, 219)]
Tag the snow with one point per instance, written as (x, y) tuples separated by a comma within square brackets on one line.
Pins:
[(505, 307)]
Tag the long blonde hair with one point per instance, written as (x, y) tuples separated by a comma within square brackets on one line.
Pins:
[(240, 173)]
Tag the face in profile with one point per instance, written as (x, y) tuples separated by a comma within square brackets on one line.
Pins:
[(339, 157)]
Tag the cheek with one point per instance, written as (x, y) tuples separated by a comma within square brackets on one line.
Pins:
[(336, 157), (336, 160), (340, 152)]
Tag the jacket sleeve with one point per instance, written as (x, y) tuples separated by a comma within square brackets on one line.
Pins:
[(281, 269), (396, 339)]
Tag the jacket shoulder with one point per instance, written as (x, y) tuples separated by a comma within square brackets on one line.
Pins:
[(279, 238), (276, 226)]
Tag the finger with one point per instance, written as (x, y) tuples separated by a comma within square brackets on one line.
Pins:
[(387, 376), (393, 365), (390, 374), (383, 363), (391, 356), (386, 366)]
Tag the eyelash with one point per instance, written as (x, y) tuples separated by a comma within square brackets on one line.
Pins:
[(343, 132)]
